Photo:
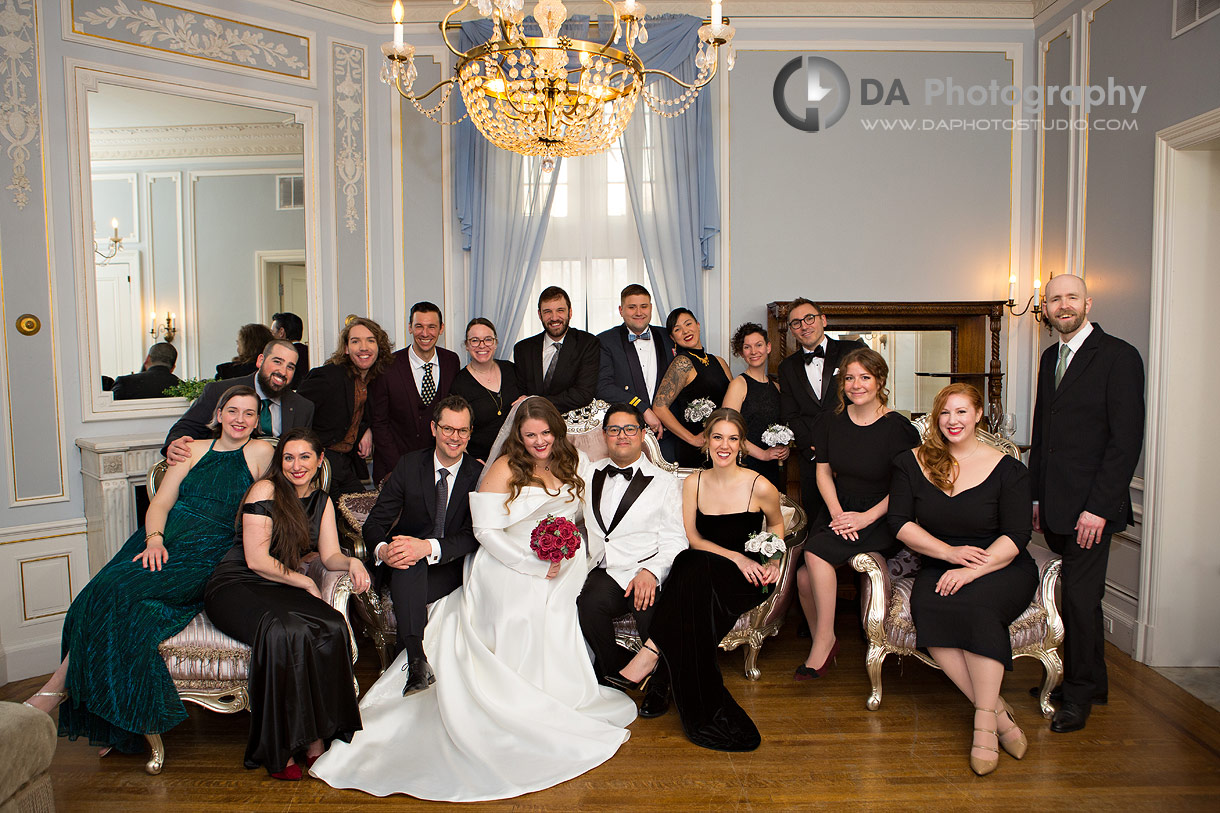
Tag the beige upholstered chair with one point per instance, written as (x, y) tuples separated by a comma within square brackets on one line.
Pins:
[(209, 668), (885, 607)]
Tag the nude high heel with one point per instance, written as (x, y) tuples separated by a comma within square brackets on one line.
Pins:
[(1013, 738), (982, 767)]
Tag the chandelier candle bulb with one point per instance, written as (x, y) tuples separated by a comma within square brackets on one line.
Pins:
[(397, 12), (1012, 288), (114, 226)]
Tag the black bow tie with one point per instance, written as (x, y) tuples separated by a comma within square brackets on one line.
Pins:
[(624, 473), (818, 352)]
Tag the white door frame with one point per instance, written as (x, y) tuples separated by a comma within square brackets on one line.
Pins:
[(262, 259), (1189, 133)]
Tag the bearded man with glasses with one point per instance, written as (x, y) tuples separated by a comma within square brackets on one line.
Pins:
[(634, 531)]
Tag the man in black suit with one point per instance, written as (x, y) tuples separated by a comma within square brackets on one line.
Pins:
[(289, 326), (280, 408), (157, 375), (807, 389), (560, 363), (339, 392), (401, 399), (634, 358), (1087, 435), (421, 529)]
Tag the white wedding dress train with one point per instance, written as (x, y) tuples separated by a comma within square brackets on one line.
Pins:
[(516, 706)]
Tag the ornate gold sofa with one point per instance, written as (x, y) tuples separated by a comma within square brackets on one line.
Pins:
[(209, 668), (885, 608), (376, 612)]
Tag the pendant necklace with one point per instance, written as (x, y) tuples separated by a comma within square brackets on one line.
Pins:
[(701, 359)]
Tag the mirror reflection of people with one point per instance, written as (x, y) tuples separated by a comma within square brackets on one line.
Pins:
[(279, 408), (488, 384), (516, 706), (965, 506), (288, 325), (339, 390), (709, 587), (755, 394), (113, 683), (302, 693), (154, 379), (856, 447), (251, 339), (693, 374)]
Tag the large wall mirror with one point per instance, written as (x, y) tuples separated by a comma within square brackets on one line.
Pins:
[(192, 206)]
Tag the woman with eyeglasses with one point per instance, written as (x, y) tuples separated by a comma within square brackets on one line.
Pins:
[(489, 384)]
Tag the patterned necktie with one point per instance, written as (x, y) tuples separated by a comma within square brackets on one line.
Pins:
[(550, 368), (442, 503), (428, 387), (1061, 367), (264, 417)]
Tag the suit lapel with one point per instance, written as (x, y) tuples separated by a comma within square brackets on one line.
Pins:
[(427, 484), (349, 392), (664, 354), (1083, 358), (829, 364), (803, 377), (634, 489), (599, 482), (633, 360), (457, 495)]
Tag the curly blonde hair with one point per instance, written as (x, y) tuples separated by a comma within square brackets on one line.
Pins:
[(564, 457)]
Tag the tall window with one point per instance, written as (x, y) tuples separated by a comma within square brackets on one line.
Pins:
[(592, 248)]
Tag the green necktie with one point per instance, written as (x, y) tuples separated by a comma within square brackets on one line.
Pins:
[(264, 417), (1061, 367)]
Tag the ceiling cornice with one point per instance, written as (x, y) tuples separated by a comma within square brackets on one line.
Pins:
[(195, 141)]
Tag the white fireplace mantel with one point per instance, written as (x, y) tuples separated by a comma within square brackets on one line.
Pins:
[(111, 468)]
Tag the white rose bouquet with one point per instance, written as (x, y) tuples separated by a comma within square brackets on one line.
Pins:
[(777, 434), (768, 546), (698, 410)]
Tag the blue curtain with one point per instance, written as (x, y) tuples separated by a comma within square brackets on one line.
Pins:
[(503, 206), (677, 213)]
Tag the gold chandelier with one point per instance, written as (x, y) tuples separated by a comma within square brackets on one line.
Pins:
[(553, 96)]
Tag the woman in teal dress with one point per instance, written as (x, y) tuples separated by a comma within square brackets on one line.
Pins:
[(112, 682)]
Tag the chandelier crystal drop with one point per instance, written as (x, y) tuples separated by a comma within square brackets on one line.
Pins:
[(553, 96)]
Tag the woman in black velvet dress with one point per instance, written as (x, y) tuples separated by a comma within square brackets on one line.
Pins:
[(856, 447), (693, 374), (756, 396), (488, 384), (966, 507), (709, 587), (301, 689)]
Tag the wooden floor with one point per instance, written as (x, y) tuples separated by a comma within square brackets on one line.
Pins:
[(1154, 747)]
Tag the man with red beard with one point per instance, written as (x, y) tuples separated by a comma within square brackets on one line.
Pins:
[(1087, 435), (280, 409)]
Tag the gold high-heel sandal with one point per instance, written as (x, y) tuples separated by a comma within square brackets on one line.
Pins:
[(1014, 744), (982, 767), (61, 695), (623, 684)]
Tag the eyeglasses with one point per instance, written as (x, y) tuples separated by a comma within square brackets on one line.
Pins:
[(630, 431), (808, 321), (477, 342), (450, 431)]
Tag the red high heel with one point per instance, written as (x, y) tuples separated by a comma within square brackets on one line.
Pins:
[(804, 672), (292, 773)]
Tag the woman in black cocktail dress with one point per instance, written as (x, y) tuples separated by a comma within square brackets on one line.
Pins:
[(694, 374), (966, 507), (302, 693), (756, 396), (709, 587), (488, 384)]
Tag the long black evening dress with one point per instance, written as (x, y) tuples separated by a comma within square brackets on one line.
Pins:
[(704, 596), (301, 685), (117, 684), (709, 382), (760, 408), (490, 408), (976, 617), (862, 459)]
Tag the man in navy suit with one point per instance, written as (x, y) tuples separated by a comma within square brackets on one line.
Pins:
[(401, 399), (1087, 436), (561, 362), (635, 356), (154, 379), (421, 529), (807, 389)]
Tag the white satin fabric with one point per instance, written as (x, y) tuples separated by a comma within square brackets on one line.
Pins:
[(516, 707)]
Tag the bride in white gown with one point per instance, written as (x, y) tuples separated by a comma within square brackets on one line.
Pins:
[(516, 707)]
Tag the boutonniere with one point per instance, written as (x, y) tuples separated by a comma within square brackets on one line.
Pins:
[(836, 371)]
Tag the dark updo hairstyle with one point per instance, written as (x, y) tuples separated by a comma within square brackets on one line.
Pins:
[(744, 332), (290, 531), (227, 396), (874, 364), (674, 316)]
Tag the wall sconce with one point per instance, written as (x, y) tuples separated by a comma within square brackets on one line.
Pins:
[(168, 329), (116, 243), (1034, 305)]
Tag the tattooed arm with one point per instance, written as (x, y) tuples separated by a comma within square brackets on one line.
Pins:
[(680, 373)]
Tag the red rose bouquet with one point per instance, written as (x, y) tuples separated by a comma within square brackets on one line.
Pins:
[(555, 539)]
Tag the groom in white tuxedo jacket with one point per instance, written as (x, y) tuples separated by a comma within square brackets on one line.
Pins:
[(633, 521)]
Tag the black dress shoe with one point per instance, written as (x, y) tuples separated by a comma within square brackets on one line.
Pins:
[(1099, 699), (419, 676), (656, 700), (1071, 717)]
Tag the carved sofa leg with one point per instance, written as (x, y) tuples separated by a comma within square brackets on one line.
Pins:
[(156, 760)]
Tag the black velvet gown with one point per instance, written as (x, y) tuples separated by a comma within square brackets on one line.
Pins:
[(760, 408), (709, 382), (301, 684), (976, 617), (704, 596), (862, 459), (490, 408)]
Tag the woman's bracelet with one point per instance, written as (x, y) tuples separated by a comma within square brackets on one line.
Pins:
[(149, 536)]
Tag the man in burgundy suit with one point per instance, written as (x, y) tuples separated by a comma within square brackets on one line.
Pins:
[(401, 398)]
